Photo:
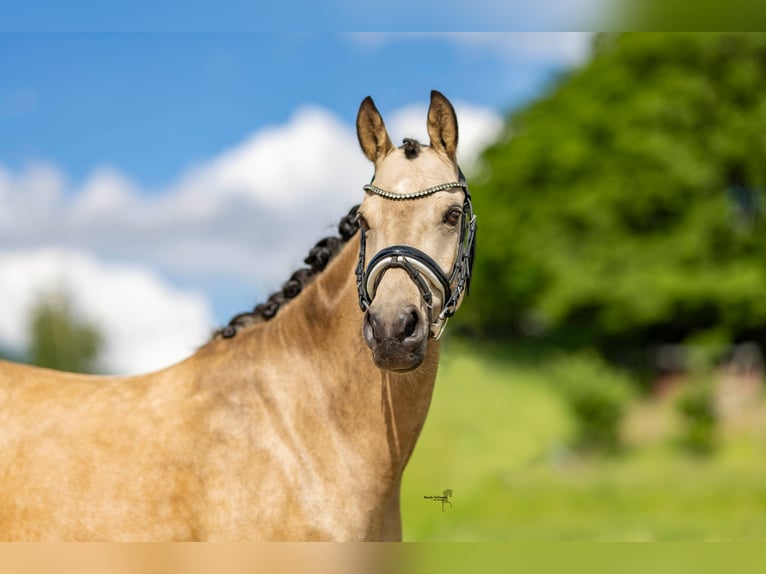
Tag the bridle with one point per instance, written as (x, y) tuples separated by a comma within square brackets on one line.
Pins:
[(426, 273)]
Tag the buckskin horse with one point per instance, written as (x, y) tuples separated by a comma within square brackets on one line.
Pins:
[(296, 420)]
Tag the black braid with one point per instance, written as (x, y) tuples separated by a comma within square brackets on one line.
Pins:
[(321, 254), (293, 287), (318, 258), (349, 225)]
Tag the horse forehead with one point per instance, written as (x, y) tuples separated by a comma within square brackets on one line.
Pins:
[(398, 174)]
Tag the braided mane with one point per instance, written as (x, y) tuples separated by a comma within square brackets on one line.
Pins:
[(318, 258)]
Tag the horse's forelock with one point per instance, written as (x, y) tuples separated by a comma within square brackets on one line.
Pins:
[(411, 148)]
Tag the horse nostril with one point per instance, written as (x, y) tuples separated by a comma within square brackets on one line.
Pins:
[(410, 324), (370, 329)]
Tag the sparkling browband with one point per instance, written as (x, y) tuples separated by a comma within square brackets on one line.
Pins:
[(416, 194)]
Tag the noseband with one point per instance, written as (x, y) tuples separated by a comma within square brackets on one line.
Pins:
[(426, 273)]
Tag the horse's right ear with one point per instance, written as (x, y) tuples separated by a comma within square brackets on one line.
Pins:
[(371, 132)]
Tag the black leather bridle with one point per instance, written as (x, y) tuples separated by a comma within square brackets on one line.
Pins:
[(422, 269)]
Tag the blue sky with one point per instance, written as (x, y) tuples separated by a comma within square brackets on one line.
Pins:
[(199, 168), (328, 15), (151, 103)]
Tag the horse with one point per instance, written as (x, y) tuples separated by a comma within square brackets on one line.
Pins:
[(292, 423)]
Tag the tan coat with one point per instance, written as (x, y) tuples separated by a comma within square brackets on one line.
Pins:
[(223, 446)]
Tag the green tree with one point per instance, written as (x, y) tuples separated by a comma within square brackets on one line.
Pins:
[(60, 339), (625, 208)]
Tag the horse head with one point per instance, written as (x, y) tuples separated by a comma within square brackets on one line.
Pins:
[(417, 236)]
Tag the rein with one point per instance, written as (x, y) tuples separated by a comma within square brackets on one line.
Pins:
[(427, 275)]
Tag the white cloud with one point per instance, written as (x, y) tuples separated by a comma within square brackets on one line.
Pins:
[(281, 166), (107, 191), (248, 215), (147, 324)]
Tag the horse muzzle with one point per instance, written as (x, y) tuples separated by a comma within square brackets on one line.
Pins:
[(398, 338)]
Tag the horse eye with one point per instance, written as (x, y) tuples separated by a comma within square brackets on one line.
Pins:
[(362, 222), (452, 217)]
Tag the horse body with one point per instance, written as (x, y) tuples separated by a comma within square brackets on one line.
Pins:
[(290, 430), (222, 446)]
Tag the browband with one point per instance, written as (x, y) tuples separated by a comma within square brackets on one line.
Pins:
[(415, 194)]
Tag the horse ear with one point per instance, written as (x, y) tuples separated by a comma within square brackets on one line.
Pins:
[(371, 132), (442, 125)]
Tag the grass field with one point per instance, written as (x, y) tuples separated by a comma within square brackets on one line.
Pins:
[(497, 436)]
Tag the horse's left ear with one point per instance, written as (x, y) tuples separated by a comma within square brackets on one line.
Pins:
[(442, 125)]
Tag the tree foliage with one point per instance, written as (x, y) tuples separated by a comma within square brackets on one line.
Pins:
[(626, 207), (60, 339)]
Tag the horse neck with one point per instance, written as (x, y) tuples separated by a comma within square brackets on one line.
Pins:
[(376, 410)]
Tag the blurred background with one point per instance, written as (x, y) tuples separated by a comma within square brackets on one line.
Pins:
[(604, 380)]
